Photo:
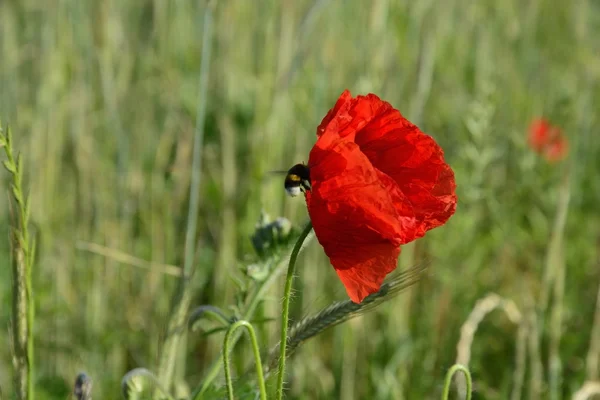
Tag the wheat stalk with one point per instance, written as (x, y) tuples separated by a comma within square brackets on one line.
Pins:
[(342, 311), (23, 255)]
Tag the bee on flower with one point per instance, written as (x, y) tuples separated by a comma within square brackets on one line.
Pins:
[(373, 182)]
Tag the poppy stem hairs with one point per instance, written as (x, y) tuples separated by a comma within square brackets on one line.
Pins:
[(286, 307)]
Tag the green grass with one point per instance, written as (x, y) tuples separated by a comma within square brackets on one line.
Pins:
[(102, 98)]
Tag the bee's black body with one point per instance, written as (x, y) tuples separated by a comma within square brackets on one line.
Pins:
[(297, 180)]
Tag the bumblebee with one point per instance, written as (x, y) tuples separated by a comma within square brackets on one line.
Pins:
[(297, 180)]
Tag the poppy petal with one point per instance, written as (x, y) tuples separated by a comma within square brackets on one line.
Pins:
[(350, 115), (359, 215), (547, 140), (347, 189), (557, 149), (416, 163), (377, 182), (344, 101), (539, 134), (399, 149), (362, 270)]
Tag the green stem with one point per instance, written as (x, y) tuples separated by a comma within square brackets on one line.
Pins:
[(286, 308), (448, 382), (214, 370), (257, 360)]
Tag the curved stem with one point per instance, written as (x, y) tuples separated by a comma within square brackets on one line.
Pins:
[(259, 370), (286, 308), (455, 368)]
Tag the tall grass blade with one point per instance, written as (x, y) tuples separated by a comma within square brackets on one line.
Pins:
[(177, 323)]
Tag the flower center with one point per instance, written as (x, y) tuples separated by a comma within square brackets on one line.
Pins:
[(297, 180)]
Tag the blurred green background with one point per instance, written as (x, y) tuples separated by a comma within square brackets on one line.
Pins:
[(102, 99)]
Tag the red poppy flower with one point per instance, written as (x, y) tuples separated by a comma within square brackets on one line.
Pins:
[(547, 140), (373, 182)]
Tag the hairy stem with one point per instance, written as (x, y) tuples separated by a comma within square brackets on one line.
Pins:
[(285, 312)]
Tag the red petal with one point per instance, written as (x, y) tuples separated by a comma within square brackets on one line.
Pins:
[(539, 134), (362, 270), (359, 215), (345, 100), (416, 162), (547, 140), (350, 115), (557, 149), (377, 182), (399, 149)]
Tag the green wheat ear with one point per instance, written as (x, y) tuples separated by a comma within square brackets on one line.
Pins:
[(342, 311), (23, 256)]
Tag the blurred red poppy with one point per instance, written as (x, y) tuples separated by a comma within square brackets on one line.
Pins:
[(373, 182), (547, 140)]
